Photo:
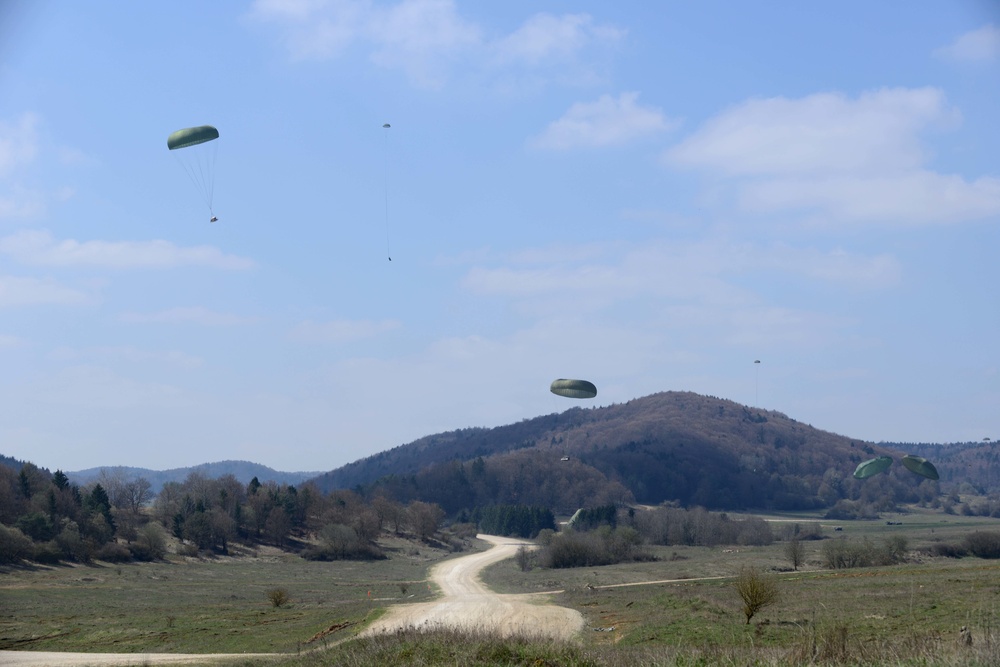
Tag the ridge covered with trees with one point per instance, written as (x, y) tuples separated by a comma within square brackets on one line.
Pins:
[(676, 447)]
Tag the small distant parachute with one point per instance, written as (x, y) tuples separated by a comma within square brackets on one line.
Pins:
[(872, 467), (196, 150), (573, 388), (920, 465)]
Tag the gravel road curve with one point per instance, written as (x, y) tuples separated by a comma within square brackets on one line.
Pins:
[(465, 603)]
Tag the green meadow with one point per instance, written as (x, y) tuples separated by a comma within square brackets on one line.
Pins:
[(904, 614)]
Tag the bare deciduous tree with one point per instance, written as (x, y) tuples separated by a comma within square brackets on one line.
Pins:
[(424, 518), (795, 552), (523, 558), (756, 589)]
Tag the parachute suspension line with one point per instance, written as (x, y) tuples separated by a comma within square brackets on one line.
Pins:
[(200, 168), (385, 159), (210, 158)]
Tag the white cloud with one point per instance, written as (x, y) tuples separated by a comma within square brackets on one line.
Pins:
[(18, 142), (10, 341), (918, 197), (545, 37), (421, 37), (677, 270), (15, 291), (982, 44), (713, 276), (40, 248), (340, 331), (21, 203), (132, 355), (853, 160), (190, 315), (606, 122), (18, 148), (100, 388), (822, 133), (315, 29), (427, 39)]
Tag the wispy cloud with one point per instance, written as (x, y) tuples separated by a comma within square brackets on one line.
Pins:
[(822, 133), (713, 273), (190, 315), (18, 142), (10, 341), (980, 45), (427, 39), (340, 331), (40, 248), (17, 291), (858, 160), (606, 122), (129, 354), (914, 198), (19, 202), (545, 38), (18, 148), (421, 37)]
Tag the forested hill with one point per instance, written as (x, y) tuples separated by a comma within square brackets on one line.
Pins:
[(243, 471), (671, 446), (972, 467)]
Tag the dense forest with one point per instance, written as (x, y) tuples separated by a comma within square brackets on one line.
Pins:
[(676, 447)]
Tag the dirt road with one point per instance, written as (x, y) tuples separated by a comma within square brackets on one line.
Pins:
[(59, 659), (467, 604)]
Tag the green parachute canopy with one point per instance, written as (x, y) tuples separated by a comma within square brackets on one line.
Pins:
[(573, 388), (872, 467), (921, 466), (191, 136)]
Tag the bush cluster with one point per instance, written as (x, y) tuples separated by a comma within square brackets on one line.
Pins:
[(845, 553), (604, 546)]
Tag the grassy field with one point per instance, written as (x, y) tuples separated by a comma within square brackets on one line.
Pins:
[(199, 606), (905, 614)]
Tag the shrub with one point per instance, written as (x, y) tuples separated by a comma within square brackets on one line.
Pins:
[(71, 544), (948, 550), (983, 543), (340, 542), (843, 553), (151, 543), (602, 547), (188, 550), (14, 545), (278, 597), (47, 553), (112, 552), (756, 590), (545, 536)]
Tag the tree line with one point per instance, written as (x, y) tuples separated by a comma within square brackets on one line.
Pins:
[(45, 518)]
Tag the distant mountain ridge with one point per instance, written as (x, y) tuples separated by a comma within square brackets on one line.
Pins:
[(244, 471), (667, 447)]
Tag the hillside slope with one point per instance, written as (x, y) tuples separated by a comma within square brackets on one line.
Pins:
[(670, 446)]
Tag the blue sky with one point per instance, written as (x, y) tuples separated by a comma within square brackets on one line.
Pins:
[(647, 195)]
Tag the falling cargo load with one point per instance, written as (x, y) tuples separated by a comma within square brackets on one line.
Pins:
[(196, 150)]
